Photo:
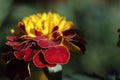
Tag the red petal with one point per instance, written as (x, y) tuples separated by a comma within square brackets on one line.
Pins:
[(21, 25), (37, 61), (40, 62), (38, 33), (39, 38), (55, 28), (58, 40), (28, 54), (56, 34), (69, 33), (43, 43), (57, 55), (18, 46), (12, 38), (23, 45), (12, 43), (19, 54)]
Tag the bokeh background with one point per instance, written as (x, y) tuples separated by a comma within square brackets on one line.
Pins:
[(97, 19)]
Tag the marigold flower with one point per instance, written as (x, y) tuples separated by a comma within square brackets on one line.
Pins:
[(39, 34), (44, 39)]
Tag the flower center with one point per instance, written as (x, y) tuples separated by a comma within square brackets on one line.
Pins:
[(45, 25)]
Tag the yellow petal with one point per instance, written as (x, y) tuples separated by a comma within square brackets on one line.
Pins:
[(45, 24), (68, 25), (61, 25)]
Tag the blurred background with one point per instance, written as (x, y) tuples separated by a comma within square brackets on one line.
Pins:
[(98, 19)]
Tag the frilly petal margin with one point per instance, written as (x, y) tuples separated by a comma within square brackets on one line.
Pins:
[(12, 38), (40, 62), (19, 54), (57, 55)]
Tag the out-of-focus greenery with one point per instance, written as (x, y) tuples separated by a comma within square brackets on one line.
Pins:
[(100, 20)]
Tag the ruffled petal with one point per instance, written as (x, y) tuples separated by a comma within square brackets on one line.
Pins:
[(40, 62), (56, 34), (43, 43), (12, 38), (23, 45), (55, 29), (21, 25), (8, 54), (28, 54), (37, 61), (71, 46), (69, 33), (38, 33), (57, 55), (35, 38), (79, 42), (19, 54), (12, 43)]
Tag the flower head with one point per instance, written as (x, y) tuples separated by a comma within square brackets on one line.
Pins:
[(46, 39), (45, 25)]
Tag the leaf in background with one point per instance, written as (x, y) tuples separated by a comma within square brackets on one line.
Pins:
[(4, 9)]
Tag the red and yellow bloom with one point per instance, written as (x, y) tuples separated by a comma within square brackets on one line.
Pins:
[(46, 39)]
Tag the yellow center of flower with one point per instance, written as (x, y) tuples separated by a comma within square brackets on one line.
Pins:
[(44, 23)]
